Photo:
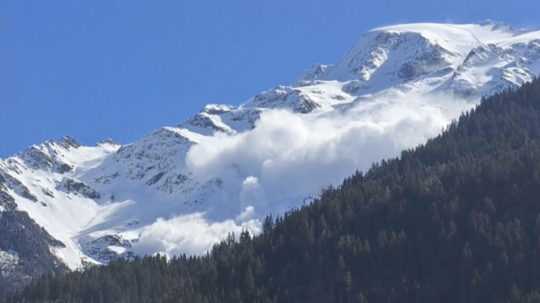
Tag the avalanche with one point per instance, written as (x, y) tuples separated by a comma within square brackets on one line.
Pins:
[(183, 188)]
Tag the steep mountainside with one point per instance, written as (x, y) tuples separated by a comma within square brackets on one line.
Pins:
[(181, 189), (454, 220)]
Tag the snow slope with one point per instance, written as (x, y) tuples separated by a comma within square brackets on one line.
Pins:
[(181, 189)]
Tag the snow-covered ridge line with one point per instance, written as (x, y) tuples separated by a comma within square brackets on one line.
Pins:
[(183, 188)]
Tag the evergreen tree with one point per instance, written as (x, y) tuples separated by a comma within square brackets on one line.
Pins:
[(454, 220)]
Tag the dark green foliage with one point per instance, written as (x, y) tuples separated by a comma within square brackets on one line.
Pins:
[(455, 220)]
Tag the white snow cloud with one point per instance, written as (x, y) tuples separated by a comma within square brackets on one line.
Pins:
[(190, 234), (288, 157)]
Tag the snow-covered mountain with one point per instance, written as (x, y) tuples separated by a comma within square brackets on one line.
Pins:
[(182, 188)]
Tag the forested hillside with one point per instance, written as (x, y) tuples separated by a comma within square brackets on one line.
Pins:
[(455, 220)]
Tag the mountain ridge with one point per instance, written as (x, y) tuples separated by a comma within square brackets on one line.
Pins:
[(99, 202), (456, 219)]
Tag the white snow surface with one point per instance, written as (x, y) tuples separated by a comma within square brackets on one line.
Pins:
[(183, 188)]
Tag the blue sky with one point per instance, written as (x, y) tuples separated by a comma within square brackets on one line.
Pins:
[(121, 68)]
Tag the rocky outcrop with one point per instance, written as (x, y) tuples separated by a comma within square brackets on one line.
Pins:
[(69, 185), (25, 251), (48, 156), (108, 248), (17, 186)]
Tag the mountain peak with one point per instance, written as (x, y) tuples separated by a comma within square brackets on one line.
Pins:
[(211, 168), (437, 57)]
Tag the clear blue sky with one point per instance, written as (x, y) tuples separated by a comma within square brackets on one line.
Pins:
[(121, 68)]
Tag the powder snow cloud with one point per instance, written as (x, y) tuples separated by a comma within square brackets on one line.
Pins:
[(190, 234), (289, 157), (296, 154)]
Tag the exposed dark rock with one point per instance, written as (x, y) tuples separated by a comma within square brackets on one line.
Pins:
[(107, 179), (37, 159), (47, 192), (155, 179), (72, 186), (47, 155), (204, 121), (17, 186), (7, 202), (305, 105), (216, 109), (26, 248), (172, 183), (107, 141), (100, 248), (407, 71), (68, 142), (63, 168)]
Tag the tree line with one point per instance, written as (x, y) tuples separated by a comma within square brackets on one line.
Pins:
[(454, 220)]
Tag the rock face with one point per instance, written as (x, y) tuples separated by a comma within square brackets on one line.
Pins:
[(63, 205), (71, 186), (108, 248), (26, 250), (25, 247)]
